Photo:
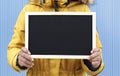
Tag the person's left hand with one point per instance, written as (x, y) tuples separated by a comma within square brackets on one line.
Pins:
[(95, 57)]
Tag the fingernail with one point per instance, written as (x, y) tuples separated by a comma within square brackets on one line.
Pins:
[(32, 59), (29, 53), (32, 65), (89, 58), (91, 51)]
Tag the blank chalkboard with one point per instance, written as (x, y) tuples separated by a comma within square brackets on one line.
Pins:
[(60, 35)]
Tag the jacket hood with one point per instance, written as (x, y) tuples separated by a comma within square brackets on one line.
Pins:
[(88, 2)]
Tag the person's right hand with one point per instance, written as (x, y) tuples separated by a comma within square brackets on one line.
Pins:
[(24, 58)]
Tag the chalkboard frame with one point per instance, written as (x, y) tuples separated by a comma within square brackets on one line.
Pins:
[(93, 14)]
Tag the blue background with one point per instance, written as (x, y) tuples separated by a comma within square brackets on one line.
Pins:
[(108, 18)]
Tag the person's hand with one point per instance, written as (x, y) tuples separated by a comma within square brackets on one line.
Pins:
[(24, 58), (95, 57)]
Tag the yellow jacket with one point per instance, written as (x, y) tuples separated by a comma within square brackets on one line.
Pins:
[(49, 67)]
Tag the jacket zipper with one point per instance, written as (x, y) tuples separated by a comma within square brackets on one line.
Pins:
[(56, 5)]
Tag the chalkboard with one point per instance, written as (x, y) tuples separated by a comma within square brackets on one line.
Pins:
[(60, 35)]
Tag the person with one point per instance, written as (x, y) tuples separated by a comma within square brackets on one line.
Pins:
[(19, 57)]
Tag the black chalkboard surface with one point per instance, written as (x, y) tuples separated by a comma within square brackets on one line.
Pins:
[(60, 35)]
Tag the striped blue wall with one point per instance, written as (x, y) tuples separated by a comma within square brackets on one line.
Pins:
[(9, 10), (108, 19)]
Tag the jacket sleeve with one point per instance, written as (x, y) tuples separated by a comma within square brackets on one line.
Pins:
[(17, 41), (98, 70), (98, 44), (18, 38)]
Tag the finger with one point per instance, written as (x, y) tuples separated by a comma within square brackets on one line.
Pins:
[(89, 58), (25, 50), (96, 50), (94, 55), (24, 64), (26, 56), (25, 61), (96, 59), (91, 51), (95, 64)]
